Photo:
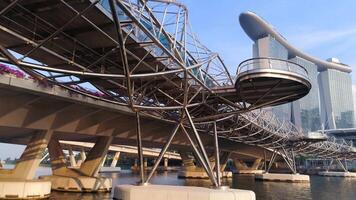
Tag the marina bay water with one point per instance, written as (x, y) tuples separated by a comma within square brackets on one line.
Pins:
[(320, 188)]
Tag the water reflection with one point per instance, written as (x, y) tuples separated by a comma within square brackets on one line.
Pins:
[(320, 188), (273, 190), (333, 188)]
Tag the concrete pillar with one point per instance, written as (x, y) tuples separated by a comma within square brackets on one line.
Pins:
[(95, 157), (256, 164), (85, 178), (145, 163), (83, 155), (30, 159), (72, 161), (103, 163), (240, 165), (18, 182), (136, 163), (58, 161), (212, 161), (188, 162), (115, 159), (224, 158), (165, 163)]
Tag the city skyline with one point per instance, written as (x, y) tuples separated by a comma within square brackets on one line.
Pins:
[(331, 93), (305, 29)]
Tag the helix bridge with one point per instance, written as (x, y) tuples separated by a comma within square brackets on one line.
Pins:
[(143, 54)]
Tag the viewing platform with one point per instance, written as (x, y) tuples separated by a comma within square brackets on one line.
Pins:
[(270, 81)]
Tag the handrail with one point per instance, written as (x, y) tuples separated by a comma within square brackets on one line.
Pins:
[(271, 63)]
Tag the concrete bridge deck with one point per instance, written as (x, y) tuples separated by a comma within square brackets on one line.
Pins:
[(76, 117)]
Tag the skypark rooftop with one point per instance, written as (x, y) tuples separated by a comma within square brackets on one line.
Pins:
[(256, 28)]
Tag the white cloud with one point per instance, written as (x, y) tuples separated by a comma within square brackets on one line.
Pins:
[(313, 38)]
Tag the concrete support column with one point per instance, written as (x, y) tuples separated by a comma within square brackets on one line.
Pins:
[(212, 161), (85, 178), (145, 163), (224, 158), (18, 182), (83, 156), (165, 163), (256, 164), (240, 165), (188, 162), (96, 156), (58, 161), (115, 159), (72, 161), (30, 159), (103, 163)]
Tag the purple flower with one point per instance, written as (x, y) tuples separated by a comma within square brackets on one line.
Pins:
[(4, 69)]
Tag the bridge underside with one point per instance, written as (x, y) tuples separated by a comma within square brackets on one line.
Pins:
[(79, 118)]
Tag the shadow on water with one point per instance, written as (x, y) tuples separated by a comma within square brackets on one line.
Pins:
[(320, 188)]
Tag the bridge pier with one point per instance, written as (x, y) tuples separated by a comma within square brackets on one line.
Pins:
[(165, 164), (344, 167), (192, 170), (18, 183), (112, 167), (167, 192), (242, 167), (115, 159), (72, 160), (83, 179), (289, 160)]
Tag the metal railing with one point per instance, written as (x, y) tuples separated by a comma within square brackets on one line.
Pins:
[(271, 63)]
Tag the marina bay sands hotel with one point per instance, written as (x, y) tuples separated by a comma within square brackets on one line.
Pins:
[(329, 104)]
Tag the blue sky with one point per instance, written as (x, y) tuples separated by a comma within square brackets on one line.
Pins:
[(322, 28)]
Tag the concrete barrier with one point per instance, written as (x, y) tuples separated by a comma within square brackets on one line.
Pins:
[(200, 174), (80, 183), (250, 171), (26, 189), (338, 174), (165, 192), (294, 178), (109, 169)]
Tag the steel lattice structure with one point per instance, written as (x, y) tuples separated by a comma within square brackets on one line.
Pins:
[(144, 55)]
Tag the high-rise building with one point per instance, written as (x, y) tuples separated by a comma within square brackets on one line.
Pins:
[(269, 47), (306, 111), (337, 109), (329, 103)]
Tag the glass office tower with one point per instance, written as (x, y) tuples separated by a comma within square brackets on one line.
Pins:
[(337, 109), (329, 103), (306, 111), (269, 47)]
